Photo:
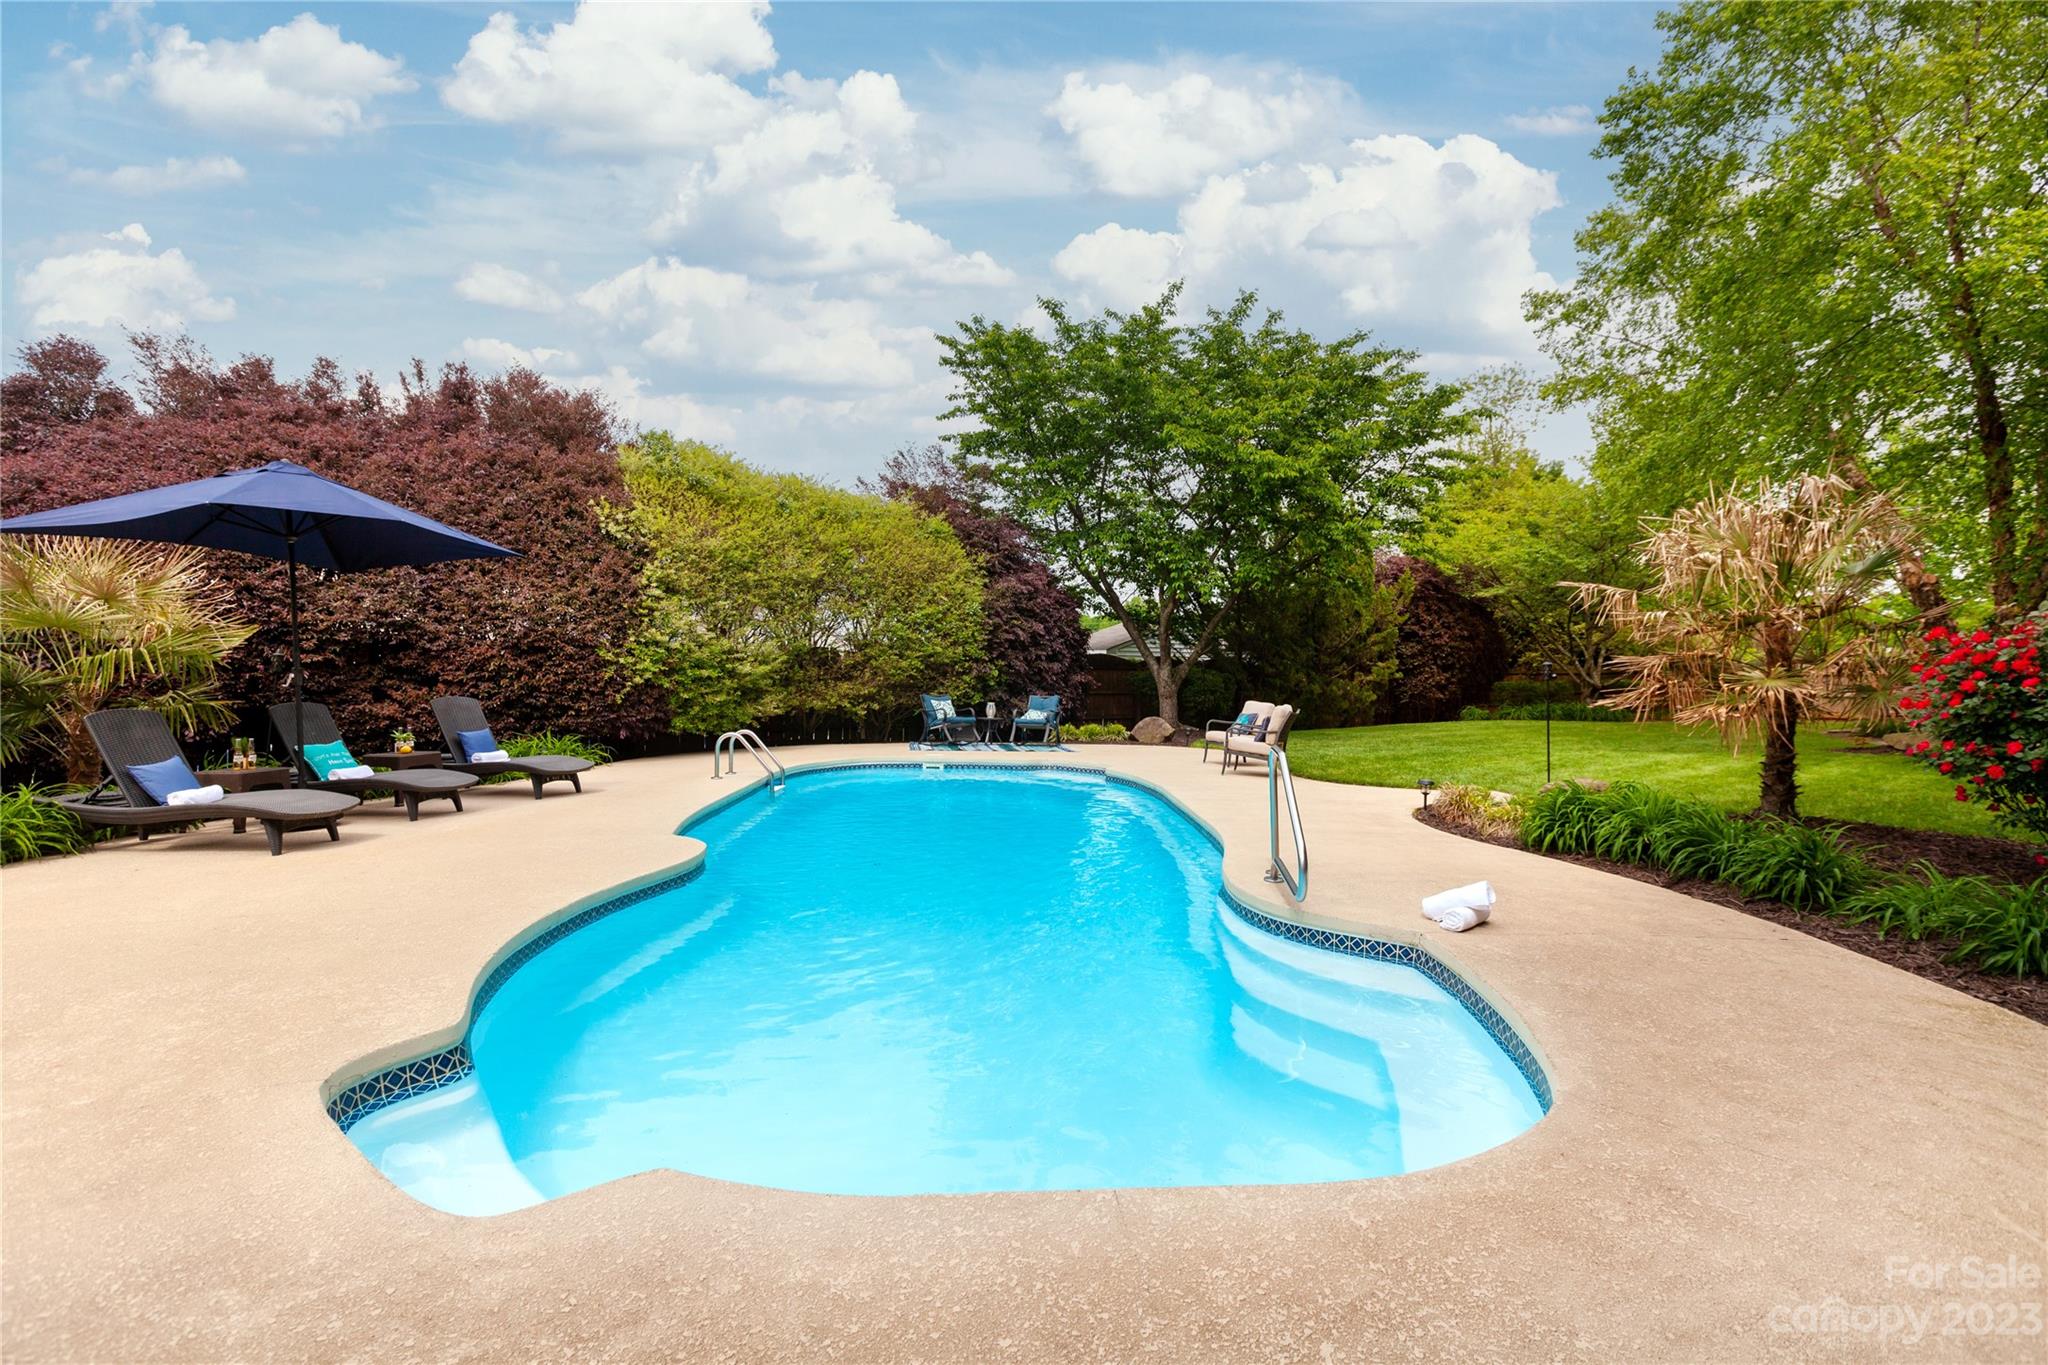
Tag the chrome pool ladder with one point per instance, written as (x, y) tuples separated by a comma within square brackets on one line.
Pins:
[(1279, 779), (732, 741)]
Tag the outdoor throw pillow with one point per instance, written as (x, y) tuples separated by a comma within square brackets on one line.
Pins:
[(942, 708), (475, 742), (325, 758), (1032, 718), (161, 779), (1246, 718)]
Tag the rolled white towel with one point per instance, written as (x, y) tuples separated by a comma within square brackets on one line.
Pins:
[(196, 796), (1459, 919), (1477, 896), (344, 774), (491, 756)]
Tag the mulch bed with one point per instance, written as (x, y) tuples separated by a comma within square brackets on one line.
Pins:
[(1954, 855), (2026, 996)]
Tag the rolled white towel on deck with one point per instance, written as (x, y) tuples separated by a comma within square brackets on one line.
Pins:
[(491, 756), (196, 796), (348, 774), (1477, 896), (1458, 920)]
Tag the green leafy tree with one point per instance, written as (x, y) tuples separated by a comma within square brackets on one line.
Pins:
[(770, 595), (1175, 468), (86, 624), (1824, 254), (1517, 533), (1327, 645)]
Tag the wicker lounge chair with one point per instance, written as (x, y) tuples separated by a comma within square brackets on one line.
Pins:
[(410, 786), (1040, 713), (456, 714), (130, 737), (943, 719), (1241, 748)]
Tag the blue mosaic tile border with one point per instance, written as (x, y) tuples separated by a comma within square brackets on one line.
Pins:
[(416, 1077), (1422, 960)]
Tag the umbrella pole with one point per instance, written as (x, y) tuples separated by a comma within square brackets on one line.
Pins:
[(291, 573)]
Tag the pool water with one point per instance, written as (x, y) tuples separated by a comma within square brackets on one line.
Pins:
[(907, 981)]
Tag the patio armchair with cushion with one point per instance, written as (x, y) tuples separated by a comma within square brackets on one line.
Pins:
[(466, 735), (141, 753), (1245, 722), (1040, 713), (1252, 747), (324, 763), (943, 719)]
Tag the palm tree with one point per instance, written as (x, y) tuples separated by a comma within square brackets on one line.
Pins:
[(85, 622), (1754, 613)]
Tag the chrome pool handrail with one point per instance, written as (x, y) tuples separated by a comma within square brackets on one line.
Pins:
[(729, 745), (1278, 778)]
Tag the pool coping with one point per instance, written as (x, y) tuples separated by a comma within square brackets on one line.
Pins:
[(442, 1058)]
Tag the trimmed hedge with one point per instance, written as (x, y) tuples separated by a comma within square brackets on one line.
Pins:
[(1559, 710), (1529, 692)]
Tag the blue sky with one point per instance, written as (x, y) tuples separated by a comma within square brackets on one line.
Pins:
[(746, 224)]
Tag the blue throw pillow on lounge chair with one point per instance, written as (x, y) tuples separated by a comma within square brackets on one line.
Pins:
[(942, 708), (1246, 718), (325, 758), (475, 742), (161, 779)]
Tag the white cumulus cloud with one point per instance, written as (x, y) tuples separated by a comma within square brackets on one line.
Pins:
[(503, 287), (679, 414), (618, 75), (1156, 132), (1124, 267), (723, 320), (176, 173), (849, 223), (121, 285), (300, 80), (1399, 232), (503, 355), (1557, 121)]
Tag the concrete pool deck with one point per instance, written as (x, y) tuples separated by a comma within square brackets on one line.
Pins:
[(1762, 1146)]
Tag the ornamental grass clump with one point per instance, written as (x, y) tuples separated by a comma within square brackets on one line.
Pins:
[(1796, 865), (1992, 926), (1982, 708), (30, 827), (1476, 810)]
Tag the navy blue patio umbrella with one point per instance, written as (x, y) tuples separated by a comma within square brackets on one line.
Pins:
[(280, 511)]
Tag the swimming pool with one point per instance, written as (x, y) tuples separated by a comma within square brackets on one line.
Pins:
[(902, 980)]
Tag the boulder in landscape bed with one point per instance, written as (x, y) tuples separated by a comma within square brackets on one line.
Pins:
[(1153, 730)]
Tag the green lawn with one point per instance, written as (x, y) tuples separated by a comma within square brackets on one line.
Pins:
[(1507, 755)]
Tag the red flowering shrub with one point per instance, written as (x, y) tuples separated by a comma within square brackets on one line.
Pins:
[(1982, 708)]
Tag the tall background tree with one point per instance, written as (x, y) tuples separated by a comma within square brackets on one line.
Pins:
[(1174, 468), (1033, 639), (1824, 253), (1512, 529)]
